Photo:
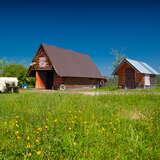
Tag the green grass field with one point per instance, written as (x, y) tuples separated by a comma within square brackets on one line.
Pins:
[(59, 126)]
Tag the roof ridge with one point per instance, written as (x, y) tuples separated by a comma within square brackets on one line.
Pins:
[(66, 49), (135, 60), (74, 64)]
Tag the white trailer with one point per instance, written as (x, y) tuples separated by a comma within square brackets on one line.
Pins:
[(8, 84)]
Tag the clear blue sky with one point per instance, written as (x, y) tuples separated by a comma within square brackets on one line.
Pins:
[(92, 27)]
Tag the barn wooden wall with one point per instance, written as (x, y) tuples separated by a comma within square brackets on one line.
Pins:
[(69, 82), (75, 82), (139, 78), (57, 81), (40, 84)]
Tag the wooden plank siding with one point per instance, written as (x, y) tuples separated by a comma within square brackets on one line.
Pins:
[(57, 81), (135, 74), (77, 82), (51, 75), (121, 75), (139, 78)]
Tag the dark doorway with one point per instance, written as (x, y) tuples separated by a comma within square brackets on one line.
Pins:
[(47, 77), (130, 78)]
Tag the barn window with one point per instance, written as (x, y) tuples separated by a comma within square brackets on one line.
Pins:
[(42, 62)]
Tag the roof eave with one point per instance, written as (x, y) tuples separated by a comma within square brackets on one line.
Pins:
[(65, 76)]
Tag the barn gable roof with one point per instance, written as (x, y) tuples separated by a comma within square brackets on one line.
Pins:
[(68, 63), (140, 66)]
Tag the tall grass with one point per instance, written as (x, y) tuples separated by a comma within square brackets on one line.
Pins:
[(60, 126)]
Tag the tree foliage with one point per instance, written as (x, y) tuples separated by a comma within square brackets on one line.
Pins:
[(118, 57), (15, 70), (3, 64)]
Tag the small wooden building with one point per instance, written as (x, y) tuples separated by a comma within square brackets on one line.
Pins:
[(135, 74), (58, 68)]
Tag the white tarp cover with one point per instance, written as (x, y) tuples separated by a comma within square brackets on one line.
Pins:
[(9, 80), (147, 80)]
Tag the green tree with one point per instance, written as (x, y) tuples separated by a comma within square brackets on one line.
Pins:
[(3, 63), (118, 57), (15, 70)]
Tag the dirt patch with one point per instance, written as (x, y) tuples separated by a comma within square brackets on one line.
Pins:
[(98, 93), (133, 115)]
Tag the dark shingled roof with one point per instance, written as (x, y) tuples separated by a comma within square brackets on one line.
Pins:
[(68, 63)]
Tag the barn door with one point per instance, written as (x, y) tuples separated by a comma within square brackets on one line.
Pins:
[(49, 79), (130, 78), (46, 77)]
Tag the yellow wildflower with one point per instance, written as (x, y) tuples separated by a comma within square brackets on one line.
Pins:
[(46, 127), (37, 140), (55, 120), (39, 152), (110, 122), (39, 129), (69, 128), (16, 132), (72, 121), (28, 138), (29, 145), (17, 125), (29, 154), (18, 137)]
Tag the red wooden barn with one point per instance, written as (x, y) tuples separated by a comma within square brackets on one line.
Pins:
[(58, 68), (135, 74)]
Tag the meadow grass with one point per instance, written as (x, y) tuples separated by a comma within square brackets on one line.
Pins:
[(59, 126)]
